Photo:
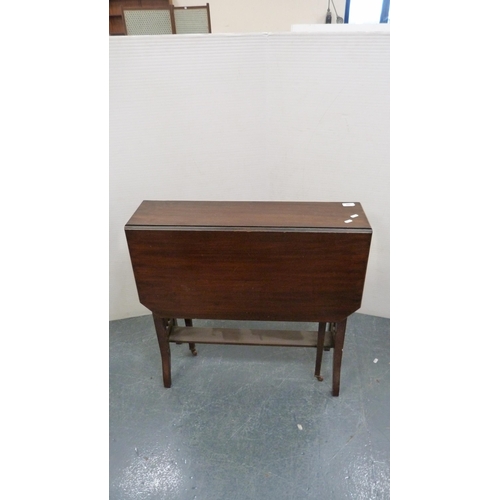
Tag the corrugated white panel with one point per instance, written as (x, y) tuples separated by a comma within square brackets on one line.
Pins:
[(292, 116)]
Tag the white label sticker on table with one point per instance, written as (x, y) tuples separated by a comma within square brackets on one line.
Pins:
[(353, 216), (348, 204), (347, 221)]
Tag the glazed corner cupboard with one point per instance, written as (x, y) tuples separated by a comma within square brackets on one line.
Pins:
[(250, 261)]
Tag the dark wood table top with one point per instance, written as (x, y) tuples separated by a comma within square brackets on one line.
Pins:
[(251, 214)]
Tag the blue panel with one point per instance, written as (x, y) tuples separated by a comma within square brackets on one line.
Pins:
[(347, 7), (384, 16)]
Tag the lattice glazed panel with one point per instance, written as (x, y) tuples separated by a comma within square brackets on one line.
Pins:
[(148, 22), (193, 20)]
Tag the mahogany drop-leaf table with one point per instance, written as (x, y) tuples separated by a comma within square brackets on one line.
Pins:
[(250, 261)]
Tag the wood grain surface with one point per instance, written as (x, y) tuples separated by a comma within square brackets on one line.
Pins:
[(254, 214)]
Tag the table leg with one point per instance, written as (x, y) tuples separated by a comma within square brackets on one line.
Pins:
[(163, 327), (337, 355), (319, 351), (192, 346), (329, 331)]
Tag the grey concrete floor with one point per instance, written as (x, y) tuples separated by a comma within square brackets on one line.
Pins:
[(247, 423)]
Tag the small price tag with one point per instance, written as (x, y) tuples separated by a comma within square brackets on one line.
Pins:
[(348, 204)]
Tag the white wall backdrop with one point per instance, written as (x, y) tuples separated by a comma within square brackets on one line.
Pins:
[(278, 117), (242, 16)]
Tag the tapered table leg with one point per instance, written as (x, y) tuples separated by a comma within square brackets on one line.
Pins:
[(329, 332), (192, 346), (163, 327), (319, 350), (337, 356)]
